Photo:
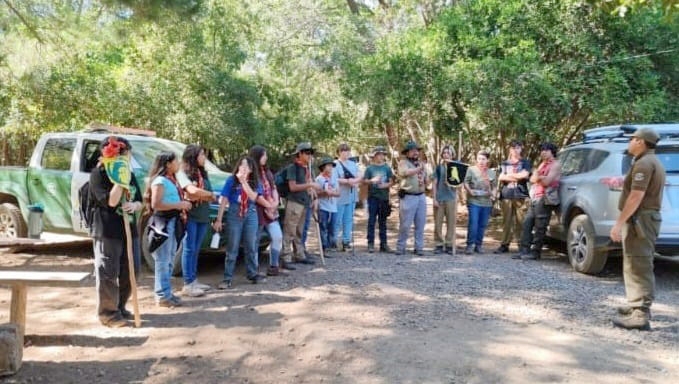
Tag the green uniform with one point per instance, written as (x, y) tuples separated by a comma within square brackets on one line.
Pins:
[(638, 239)]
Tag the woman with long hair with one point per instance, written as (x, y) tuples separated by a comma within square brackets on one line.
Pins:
[(165, 198), (242, 191), (480, 182), (193, 179), (268, 217)]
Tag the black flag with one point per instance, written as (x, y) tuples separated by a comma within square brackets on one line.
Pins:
[(455, 173)]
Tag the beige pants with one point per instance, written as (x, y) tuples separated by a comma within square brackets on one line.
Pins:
[(513, 214), (293, 225), (447, 210)]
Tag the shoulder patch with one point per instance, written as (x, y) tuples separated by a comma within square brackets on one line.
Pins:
[(639, 176)]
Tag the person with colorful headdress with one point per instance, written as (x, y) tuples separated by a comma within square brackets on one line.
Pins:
[(115, 192)]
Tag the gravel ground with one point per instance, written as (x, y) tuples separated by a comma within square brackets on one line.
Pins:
[(368, 318)]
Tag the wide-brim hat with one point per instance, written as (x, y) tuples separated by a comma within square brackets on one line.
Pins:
[(325, 161), (647, 134), (305, 146), (379, 149), (410, 145)]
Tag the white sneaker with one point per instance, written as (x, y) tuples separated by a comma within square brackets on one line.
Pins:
[(204, 287), (192, 290)]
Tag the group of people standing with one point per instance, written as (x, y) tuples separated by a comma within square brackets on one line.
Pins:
[(178, 198)]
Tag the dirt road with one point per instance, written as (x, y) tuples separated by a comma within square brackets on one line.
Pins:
[(368, 318)]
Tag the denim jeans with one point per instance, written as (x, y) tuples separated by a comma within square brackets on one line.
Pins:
[(164, 257), (326, 223), (345, 221), (377, 212), (412, 209), (276, 235), (478, 221), (307, 222), (195, 233), (241, 230)]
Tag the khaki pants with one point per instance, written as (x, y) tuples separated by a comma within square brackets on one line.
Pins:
[(513, 214), (447, 210), (637, 258), (293, 226)]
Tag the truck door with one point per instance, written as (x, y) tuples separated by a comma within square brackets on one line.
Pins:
[(49, 183), (88, 156)]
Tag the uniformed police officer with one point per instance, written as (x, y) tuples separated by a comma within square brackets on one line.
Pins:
[(638, 226)]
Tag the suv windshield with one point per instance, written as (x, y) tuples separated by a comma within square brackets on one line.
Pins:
[(144, 151)]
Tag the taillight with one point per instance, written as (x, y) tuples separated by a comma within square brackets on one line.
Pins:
[(613, 183)]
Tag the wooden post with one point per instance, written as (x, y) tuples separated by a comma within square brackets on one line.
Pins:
[(133, 277), (17, 314)]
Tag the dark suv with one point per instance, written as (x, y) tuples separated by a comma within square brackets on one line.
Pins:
[(589, 194)]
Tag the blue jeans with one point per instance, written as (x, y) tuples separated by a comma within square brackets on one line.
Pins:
[(241, 230), (307, 221), (345, 221), (276, 235), (377, 213), (164, 257), (478, 221), (195, 233), (326, 223)]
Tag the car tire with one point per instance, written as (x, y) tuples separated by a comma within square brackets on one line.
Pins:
[(12, 224), (148, 257), (581, 245)]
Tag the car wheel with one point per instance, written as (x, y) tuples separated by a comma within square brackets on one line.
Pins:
[(148, 257), (12, 224), (582, 253)]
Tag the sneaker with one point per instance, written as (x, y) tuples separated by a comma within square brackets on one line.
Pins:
[(400, 252), (522, 252), (204, 287), (533, 255), (468, 250), (626, 311), (287, 265), (305, 261), (502, 249), (638, 319), (449, 250), (273, 271), (371, 248), (126, 314), (168, 303), (438, 250), (114, 322), (346, 247), (385, 249), (479, 249), (192, 290), (257, 279), (419, 252), (225, 284)]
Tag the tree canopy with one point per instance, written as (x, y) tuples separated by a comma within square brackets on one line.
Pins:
[(229, 74)]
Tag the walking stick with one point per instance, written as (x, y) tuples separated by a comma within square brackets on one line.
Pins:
[(314, 215), (133, 277)]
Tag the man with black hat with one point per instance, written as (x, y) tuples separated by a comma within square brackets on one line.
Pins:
[(514, 174), (302, 190), (540, 208), (638, 226), (413, 205), (379, 177)]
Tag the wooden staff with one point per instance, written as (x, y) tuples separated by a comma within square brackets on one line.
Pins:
[(314, 217), (133, 277)]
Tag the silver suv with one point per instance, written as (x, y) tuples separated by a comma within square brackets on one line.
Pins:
[(589, 198)]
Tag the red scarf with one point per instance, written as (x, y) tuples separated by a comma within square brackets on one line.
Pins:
[(243, 202), (180, 192)]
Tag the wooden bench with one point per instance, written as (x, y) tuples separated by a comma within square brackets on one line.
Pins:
[(21, 280)]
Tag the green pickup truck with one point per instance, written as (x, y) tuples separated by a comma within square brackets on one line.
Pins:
[(60, 165)]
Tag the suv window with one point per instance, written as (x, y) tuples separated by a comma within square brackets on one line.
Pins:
[(581, 160), (668, 156), (57, 154)]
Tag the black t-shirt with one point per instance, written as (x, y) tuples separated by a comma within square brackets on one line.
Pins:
[(518, 190), (107, 222), (298, 174)]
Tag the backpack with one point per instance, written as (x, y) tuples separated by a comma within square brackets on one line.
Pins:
[(87, 205), (281, 181)]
